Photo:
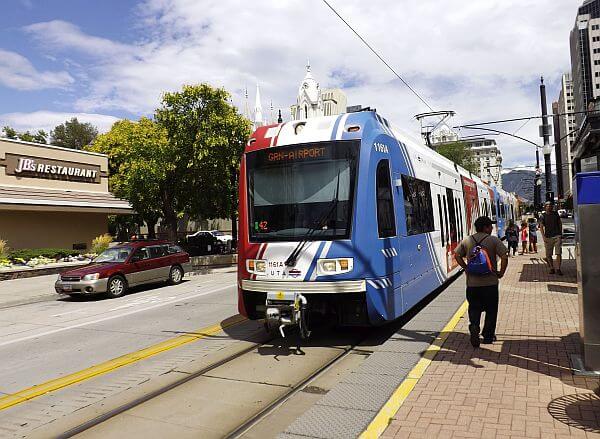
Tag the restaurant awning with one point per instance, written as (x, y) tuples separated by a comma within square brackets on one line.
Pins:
[(20, 198)]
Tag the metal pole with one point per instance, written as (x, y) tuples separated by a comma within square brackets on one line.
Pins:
[(546, 135), (557, 151)]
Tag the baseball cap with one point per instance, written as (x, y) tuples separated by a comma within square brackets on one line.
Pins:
[(483, 221)]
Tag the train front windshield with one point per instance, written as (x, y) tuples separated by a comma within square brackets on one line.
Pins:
[(302, 192)]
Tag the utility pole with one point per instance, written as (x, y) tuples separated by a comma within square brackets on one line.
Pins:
[(560, 193), (545, 132)]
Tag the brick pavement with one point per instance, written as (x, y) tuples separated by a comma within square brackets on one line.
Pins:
[(519, 387)]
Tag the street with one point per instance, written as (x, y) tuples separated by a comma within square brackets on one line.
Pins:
[(50, 339)]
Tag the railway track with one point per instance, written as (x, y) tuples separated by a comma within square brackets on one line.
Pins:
[(231, 396), (316, 356)]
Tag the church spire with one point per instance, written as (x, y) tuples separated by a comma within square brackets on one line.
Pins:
[(258, 115), (247, 113)]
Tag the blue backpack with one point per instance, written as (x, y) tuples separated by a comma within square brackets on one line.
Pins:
[(479, 262)]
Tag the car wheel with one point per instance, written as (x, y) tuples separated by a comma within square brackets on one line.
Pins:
[(116, 287), (176, 275)]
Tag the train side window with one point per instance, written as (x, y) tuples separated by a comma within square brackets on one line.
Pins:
[(460, 220), (386, 221), (418, 206), (441, 219), (446, 236)]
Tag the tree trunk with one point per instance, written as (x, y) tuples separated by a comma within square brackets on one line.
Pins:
[(151, 224), (169, 215)]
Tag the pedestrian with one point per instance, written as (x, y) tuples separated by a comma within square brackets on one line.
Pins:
[(524, 236), (551, 228), (532, 235), (482, 286), (512, 237)]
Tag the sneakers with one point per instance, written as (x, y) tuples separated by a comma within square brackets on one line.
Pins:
[(560, 273), (474, 330), (487, 340)]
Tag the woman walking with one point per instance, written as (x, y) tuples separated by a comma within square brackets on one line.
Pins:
[(524, 235)]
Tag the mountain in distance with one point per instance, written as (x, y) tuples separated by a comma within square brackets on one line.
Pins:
[(520, 181)]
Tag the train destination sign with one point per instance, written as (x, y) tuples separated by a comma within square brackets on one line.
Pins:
[(297, 154), (36, 167)]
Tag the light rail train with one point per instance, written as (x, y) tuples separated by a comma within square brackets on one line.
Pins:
[(348, 217)]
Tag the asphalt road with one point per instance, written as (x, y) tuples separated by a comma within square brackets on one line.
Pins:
[(50, 339)]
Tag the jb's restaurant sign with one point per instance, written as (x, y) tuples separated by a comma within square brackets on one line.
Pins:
[(35, 167)]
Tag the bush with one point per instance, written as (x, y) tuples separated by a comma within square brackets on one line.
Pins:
[(101, 243), (3, 249), (28, 254)]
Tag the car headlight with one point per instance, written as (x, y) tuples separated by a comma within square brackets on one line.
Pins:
[(93, 276), (256, 266), (334, 266)]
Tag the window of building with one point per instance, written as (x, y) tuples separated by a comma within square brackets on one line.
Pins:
[(386, 221), (418, 206)]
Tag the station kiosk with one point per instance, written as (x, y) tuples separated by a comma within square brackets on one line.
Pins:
[(587, 223)]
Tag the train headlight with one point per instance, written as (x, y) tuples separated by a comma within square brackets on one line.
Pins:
[(256, 266), (334, 266)]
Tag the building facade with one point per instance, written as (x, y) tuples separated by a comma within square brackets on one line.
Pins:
[(568, 131), (489, 159), (585, 57), (54, 197), (314, 102)]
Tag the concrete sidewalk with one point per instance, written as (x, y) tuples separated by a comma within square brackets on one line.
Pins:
[(522, 386)]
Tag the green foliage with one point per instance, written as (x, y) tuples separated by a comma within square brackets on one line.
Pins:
[(139, 160), (184, 162), (460, 154), (40, 136), (4, 250), (9, 132), (207, 137), (101, 243), (26, 254), (73, 134)]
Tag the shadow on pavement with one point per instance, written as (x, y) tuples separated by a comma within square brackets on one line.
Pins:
[(102, 296), (538, 271)]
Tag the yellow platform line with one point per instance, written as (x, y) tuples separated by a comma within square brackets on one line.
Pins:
[(391, 407), (110, 365)]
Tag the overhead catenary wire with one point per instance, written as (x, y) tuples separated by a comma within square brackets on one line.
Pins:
[(378, 55)]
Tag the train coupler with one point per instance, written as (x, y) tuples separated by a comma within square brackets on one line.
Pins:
[(287, 309)]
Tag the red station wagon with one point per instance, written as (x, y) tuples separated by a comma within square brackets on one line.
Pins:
[(126, 265)]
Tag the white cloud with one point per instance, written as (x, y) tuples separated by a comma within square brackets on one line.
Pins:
[(481, 58), (17, 72), (47, 120)]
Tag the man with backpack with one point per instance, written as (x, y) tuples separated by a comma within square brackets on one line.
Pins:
[(482, 250)]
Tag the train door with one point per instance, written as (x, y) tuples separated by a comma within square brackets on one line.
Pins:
[(471, 202), (384, 261), (452, 229)]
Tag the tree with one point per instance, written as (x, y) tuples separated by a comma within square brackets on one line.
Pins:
[(206, 138), (459, 153), (9, 132), (139, 159), (39, 137), (73, 134)]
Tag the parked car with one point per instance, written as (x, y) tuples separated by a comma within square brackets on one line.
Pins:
[(126, 265), (202, 242)]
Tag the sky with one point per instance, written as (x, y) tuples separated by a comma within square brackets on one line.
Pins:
[(102, 61)]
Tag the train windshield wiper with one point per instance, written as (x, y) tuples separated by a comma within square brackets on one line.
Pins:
[(331, 208)]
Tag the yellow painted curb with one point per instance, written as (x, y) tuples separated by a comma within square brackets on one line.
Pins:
[(391, 407), (102, 368)]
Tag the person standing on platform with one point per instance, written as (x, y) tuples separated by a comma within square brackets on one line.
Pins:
[(532, 235), (524, 236), (482, 282), (512, 237), (551, 228)]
